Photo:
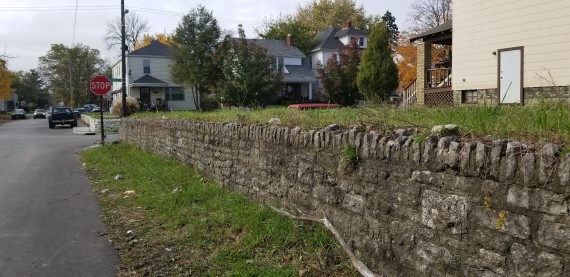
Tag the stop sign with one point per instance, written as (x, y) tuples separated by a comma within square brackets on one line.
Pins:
[(100, 85)]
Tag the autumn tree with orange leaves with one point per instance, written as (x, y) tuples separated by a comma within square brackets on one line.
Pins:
[(5, 81), (406, 60), (163, 38)]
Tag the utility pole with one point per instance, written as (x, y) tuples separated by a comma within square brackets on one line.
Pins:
[(123, 62)]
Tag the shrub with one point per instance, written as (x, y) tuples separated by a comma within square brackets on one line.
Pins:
[(132, 106)]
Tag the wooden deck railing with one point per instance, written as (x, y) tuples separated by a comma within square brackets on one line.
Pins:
[(409, 95), (438, 77)]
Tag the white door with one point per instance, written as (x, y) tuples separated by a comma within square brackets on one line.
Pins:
[(510, 82)]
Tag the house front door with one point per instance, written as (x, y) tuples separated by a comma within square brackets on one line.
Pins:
[(511, 76), (145, 97)]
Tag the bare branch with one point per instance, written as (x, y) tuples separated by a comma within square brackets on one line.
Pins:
[(426, 14), (360, 266), (135, 27)]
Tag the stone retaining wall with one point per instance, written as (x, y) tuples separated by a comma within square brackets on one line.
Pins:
[(95, 123), (437, 207)]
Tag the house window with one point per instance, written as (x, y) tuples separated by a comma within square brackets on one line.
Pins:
[(469, 96), (334, 57), (310, 61), (174, 94), (146, 66), (361, 41)]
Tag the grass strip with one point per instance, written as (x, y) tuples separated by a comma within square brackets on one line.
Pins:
[(175, 223), (536, 124)]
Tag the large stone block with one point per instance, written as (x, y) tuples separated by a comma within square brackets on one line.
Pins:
[(354, 203), (434, 254), (444, 212), (555, 235), (529, 262), (506, 222)]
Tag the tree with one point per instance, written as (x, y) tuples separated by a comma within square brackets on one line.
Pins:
[(163, 38), (279, 28), (194, 40), (30, 88), (338, 77), (426, 14), (67, 72), (390, 22), (378, 75), (5, 81), (406, 54), (135, 27), (314, 17), (247, 79)]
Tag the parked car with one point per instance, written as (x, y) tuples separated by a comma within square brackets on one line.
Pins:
[(79, 111), (92, 108), (62, 116), (18, 114), (39, 113)]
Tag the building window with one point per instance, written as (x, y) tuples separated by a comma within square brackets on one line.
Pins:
[(361, 41), (146, 66), (335, 57), (174, 94), (470, 96)]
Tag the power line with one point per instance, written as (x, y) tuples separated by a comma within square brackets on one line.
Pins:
[(112, 7), (74, 23)]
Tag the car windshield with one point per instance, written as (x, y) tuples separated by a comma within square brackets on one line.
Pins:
[(39, 111), (61, 110), (19, 111)]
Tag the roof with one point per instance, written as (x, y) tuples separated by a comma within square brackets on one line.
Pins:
[(278, 48), (350, 32), (327, 40), (148, 81), (439, 33), (155, 48), (298, 74)]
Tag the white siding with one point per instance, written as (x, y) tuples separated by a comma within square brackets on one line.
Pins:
[(481, 27), (159, 68), (346, 40)]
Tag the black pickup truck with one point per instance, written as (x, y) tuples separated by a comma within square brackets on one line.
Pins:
[(61, 116)]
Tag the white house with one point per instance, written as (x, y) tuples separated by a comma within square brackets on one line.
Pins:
[(331, 40), (504, 52), (149, 80)]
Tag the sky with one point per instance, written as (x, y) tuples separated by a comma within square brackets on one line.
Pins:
[(28, 28)]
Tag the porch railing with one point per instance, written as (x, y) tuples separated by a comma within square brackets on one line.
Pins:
[(409, 95), (438, 77)]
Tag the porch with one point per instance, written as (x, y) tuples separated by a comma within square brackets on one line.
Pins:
[(433, 85)]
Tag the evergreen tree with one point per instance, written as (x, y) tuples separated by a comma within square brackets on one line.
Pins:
[(338, 77), (390, 22), (378, 75)]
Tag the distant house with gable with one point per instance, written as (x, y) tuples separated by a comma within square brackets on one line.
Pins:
[(331, 40), (149, 80), (298, 77)]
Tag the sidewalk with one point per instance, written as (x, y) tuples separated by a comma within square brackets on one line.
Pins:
[(83, 131)]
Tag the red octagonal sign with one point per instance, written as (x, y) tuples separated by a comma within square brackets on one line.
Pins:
[(100, 85)]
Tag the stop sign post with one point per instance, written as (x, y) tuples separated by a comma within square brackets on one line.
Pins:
[(100, 85)]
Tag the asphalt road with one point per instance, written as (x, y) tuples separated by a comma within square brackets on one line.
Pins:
[(50, 220)]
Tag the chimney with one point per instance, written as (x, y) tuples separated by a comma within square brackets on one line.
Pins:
[(290, 41), (346, 25)]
